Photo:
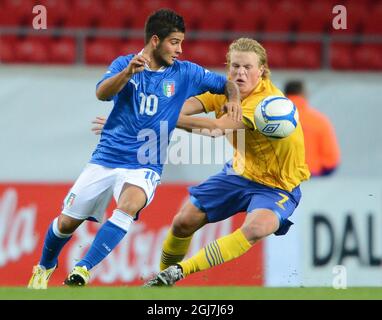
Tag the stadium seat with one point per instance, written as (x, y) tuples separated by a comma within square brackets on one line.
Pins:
[(32, 50), (372, 24), (100, 51), (304, 56), (284, 16), (317, 17), (63, 50), (192, 11), (125, 47), (9, 20), (340, 56), (368, 57), (84, 13), (277, 23), (7, 49), (146, 8), (219, 15), (277, 54), (57, 11), (118, 14), (206, 53), (15, 12), (252, 16)]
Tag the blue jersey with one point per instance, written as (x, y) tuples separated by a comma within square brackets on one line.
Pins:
[(138, 129)]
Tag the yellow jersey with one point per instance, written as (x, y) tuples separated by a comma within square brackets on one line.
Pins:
[(278, 163)]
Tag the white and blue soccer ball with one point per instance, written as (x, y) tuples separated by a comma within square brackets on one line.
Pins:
[(276, 117)]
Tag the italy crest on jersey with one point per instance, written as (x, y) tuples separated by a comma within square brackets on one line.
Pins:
[(168, 88)]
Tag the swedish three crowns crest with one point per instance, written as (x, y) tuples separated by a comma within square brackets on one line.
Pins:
[(168, 88)]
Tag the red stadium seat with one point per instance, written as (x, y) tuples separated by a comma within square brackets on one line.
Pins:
[(277, 54), (84, 13), (206, 53), (57, 10), (33, 50), (304, 56), (341, 56), (100, 51), (63, 50), (193, 12), (277, 23), (283, 16), (146, 8), (130, 46), (9, 20), (252, 16), (312, 24), (219, 15), (15, 12), (118, 14), (317, 17), (368, 57), (7, 49), (372, 24)]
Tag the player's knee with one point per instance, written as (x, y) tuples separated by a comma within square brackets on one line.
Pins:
[(254, 231), (67, 225), (259, 224), (132, 208), (184, 226)]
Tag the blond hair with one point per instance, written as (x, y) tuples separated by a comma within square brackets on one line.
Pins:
[(250, 45)]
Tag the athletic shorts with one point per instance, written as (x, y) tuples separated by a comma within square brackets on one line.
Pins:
[(91, 193), (225, 194)]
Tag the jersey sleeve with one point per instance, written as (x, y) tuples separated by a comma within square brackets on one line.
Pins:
[(211, 102), (116, 67), (202, 80)]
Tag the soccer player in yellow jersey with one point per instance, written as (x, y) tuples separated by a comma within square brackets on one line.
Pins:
[(262, 180)]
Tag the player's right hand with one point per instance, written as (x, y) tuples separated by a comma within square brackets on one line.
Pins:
[(137, 64), (99, 123), (233, 110)]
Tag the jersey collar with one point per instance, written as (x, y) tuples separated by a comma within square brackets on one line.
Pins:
[(161, 69)]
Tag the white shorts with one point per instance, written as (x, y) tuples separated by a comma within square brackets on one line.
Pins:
[(91, 193)]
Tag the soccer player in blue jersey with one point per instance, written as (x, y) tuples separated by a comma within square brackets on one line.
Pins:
[(148, 91)]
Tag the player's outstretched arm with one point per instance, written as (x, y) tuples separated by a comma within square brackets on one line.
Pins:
[(110, 87), (208, 127), (192, 106)]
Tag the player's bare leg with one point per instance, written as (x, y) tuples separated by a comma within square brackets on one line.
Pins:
[(131, 201), (186, 222)]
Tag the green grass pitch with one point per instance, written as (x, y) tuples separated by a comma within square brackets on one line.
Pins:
[(190, 293)]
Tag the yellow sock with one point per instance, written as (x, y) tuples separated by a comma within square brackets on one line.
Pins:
[(221, 250), (174, 249)]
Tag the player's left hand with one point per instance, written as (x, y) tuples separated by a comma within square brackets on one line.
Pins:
[(99, 123), (233, 110)]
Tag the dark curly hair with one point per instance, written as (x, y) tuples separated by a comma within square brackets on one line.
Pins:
[(162, 23)]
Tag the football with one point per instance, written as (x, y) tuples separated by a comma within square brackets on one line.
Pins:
[(276, 117)]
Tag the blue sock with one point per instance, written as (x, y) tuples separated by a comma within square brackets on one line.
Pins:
[(53, 244), (107, 238)]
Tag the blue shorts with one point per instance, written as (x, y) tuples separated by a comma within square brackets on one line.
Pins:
[(225, 194)]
